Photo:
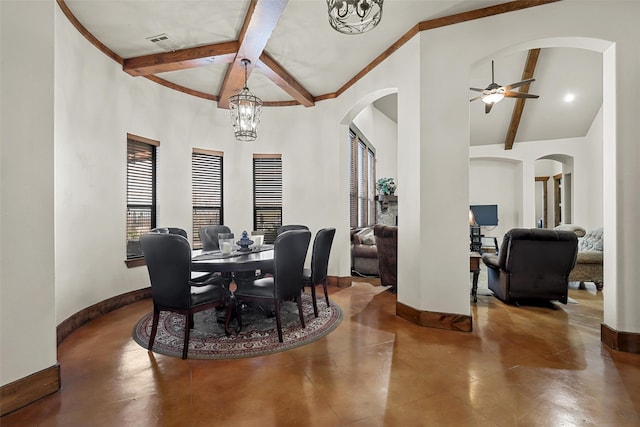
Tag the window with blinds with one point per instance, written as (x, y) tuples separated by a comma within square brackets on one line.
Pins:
[(141, 191), (267, 194), (362, 185), (206, 190)]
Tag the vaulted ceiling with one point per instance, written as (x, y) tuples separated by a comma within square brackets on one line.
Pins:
[(297, 58)]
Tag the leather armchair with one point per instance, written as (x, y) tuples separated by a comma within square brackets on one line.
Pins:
[(532, 264), (387, 243)]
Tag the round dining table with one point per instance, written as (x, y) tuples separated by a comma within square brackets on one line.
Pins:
[(214, 261)]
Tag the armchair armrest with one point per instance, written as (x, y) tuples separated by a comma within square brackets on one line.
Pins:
[(491, 260)]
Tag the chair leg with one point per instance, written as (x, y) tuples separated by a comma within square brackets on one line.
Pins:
[(278, 323), (299, 302), (187, 330), (154, 326), (326, 292), (313, 297)]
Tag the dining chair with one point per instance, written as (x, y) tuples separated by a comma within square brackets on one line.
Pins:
[(196, 276), (171, 230), (168, 259), (317, 274), (289, 227), (209, 236), (289, 253)]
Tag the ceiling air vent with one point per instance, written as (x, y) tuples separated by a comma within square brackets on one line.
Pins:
[(164, 42)]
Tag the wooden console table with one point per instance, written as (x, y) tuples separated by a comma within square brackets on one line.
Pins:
[(474, 267)]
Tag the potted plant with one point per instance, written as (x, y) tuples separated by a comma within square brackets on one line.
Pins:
[(386, 186)]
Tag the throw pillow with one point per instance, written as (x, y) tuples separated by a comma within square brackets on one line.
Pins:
[(367, 236)]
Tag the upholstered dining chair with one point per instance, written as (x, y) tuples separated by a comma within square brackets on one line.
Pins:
[(209, 236), (168, 259), (317, 274), (171, 230), (289, 227), (289, 253), (196, 276)]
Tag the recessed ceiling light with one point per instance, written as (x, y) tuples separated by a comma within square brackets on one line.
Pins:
[(569, 97)]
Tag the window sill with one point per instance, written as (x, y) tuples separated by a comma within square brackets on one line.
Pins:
[(135, 262)]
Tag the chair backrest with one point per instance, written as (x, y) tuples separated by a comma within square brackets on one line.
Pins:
[(168, 259), (171, 230), (538, 251), (320, 254), (289, 253), (209, 236), (289, 227)]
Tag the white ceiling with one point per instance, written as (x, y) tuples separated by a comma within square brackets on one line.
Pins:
[(323, 60)]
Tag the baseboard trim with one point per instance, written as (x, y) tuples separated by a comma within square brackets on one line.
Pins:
[(432, 319), (628, 342), (27, 390), (67, 326)]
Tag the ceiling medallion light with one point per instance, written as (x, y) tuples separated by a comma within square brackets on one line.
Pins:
[(245, 111), (354, 16)]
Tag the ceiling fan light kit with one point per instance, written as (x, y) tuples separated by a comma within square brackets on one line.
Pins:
[(494, 93), (245, 111), (354, 16)]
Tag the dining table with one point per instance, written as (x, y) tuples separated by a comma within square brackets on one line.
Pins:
[(237, 267), (237, 261)]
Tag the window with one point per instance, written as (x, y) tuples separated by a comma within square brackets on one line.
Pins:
[(206, 190), (267, 194), (141, 191), (363, 181)]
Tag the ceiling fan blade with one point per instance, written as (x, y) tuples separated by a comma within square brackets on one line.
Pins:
[(473, 99), (518, 84), (520, 95), (487, 107), (476, 89)]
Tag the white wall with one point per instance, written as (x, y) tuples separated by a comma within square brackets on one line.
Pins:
[(27, 303), (382, 132)]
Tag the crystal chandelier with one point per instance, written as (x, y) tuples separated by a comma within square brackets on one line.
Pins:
[(245, 111), (354, 16)]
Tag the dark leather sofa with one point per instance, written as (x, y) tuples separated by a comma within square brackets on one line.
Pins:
[(532, 264), (387, 243)]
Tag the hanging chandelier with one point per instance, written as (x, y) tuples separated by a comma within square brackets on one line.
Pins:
[(354, 16), (245, 111)]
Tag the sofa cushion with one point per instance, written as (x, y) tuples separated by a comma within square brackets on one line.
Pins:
[(589, 257), (366, 236)]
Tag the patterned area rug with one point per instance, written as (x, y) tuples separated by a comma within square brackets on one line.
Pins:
[(258, 336)]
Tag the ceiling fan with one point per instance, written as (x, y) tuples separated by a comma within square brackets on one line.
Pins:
[(494, 92)]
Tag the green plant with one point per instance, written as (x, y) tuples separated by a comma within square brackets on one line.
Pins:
[(386, 186)]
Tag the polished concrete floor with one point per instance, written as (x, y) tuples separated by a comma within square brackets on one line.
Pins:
[(521, 366)]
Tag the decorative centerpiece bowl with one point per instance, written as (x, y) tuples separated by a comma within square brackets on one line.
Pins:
[(244, 243)]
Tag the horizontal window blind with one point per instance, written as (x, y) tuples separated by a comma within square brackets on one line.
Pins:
[(267, 195), (362, 182), (141, 193), (206, 188)]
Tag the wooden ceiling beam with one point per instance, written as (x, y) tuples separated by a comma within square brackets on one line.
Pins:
[(259, 23), (284, 80), (518, 108), (219, 53)]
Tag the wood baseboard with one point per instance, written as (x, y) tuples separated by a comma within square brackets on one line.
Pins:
[(432, 319), (628, 342), (66, 327), (27, 390)]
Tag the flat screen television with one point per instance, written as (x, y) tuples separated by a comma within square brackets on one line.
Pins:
[(485, 215)]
